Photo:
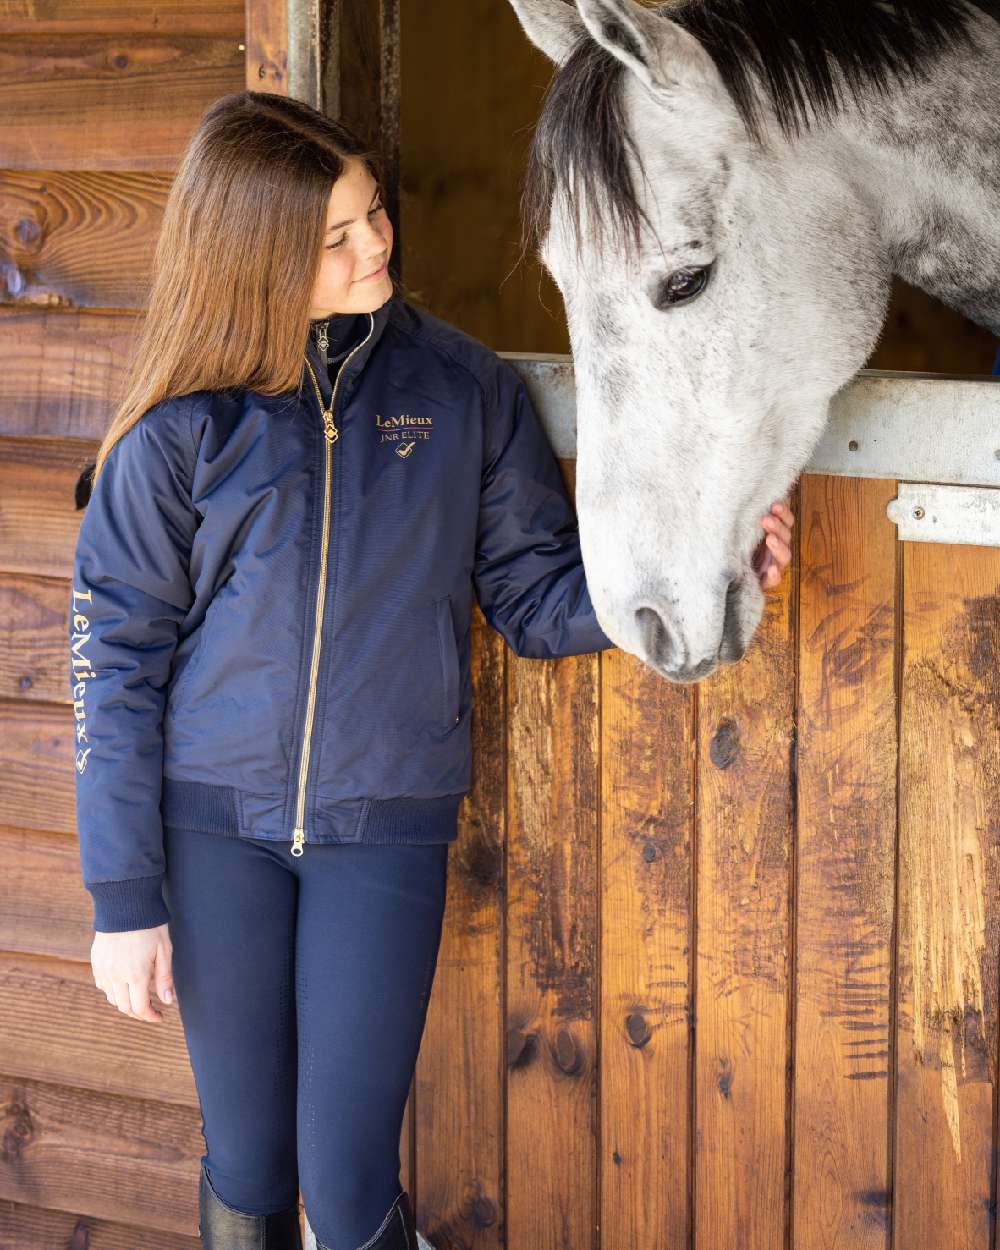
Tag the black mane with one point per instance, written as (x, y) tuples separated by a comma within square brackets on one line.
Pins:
[(795, 54)]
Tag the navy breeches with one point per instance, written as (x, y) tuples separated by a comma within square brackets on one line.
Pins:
[(302, 985)]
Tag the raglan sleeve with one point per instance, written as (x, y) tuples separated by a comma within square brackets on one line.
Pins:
[(129, 595), (528, 573)]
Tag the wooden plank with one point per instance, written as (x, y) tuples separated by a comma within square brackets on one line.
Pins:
[(138, 17), (845, 856), (46, 909), (101, 1049), (552, 918), (746, 714), (34, 643), (38, 789), (63, 371), (79, 238), (94, 101), (949, 898), (646, 963), (29, 1228), (130, 1160), (459, 1077), (357, 104), (39, 519), (266, 62)]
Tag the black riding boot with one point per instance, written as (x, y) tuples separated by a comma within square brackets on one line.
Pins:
[(224, 1228), (398, 1231)]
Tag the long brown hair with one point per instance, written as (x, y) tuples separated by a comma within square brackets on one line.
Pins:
[(237, 254)]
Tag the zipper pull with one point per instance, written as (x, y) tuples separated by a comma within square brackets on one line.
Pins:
[(297, 842), (323, 340), (329, 429)]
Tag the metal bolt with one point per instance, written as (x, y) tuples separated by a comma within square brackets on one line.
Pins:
[(918, 513)]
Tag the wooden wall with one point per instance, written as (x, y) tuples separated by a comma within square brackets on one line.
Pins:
[(720, 967), (101, 1130)]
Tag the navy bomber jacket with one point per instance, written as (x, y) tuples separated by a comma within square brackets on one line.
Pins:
[(270, 618)]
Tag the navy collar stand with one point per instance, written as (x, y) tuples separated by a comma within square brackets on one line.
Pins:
[(372, 325)]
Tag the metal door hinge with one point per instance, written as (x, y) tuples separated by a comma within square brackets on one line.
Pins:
[(925, 513)]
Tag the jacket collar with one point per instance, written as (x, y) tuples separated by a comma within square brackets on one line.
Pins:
[(351, 367)]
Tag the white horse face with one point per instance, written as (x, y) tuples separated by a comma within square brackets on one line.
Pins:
[(706, 360)]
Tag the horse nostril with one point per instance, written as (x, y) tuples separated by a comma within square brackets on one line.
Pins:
[(654, 635)]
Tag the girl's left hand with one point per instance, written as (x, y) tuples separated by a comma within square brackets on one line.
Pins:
[(774, 550)]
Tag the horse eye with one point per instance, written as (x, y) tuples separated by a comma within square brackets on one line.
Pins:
[(681, 285)]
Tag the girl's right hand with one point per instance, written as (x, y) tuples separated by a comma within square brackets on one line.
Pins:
[(123, 965)]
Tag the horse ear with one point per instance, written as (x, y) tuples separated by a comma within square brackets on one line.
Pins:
[(656, 49), (554, 26)]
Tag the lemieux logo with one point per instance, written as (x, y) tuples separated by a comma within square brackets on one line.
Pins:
[(82, 671), (403, 432)]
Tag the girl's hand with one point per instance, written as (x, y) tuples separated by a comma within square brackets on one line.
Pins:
[(123, 965), (774, 550)]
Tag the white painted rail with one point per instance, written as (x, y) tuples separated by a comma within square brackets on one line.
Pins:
[(938, 432), (916, 427)]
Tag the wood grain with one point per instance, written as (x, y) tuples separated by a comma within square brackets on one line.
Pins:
[(64, 372), (552, 922), (949, 900), (126, 1160), (98, 101), (78, 238), (46, 908), (38, 789), (39, 519), (745, 835), (138, 17), (646, 913), (34, 641), (845, 878), (459, 1080), (266, 63), (29, 1228), (69, 1034)]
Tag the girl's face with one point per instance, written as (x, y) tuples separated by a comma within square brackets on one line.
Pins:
[(353, 273)]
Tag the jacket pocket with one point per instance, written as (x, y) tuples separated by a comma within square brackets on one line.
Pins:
[(448, 652), (181, 684), (182, 681)]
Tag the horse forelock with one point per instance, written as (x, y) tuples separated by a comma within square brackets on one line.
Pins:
[(801, 61)]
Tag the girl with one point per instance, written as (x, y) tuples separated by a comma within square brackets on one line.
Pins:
[(270, 614)]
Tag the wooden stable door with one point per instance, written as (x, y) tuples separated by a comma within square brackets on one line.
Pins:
[(720, 963)]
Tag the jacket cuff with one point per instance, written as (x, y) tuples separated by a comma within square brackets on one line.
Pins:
[(121, 906)]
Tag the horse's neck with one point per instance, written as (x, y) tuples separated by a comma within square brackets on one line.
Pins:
[(930, 154)]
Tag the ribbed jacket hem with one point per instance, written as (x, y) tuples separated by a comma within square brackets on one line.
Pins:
[(134, 903), (233, 813)]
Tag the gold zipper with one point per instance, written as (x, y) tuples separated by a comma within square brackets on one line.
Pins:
[(331, 434)]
